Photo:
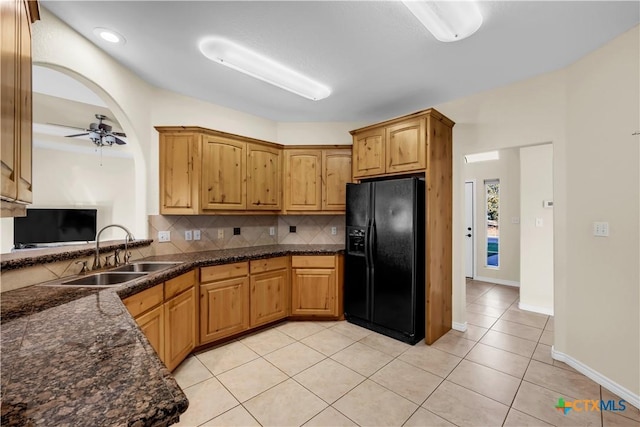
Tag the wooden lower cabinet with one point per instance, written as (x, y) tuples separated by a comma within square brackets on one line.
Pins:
[(269, 297), (152, 325), (180, 327), (316, 286), (224, 308)]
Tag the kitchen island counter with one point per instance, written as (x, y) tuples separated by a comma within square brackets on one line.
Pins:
[(75, 355)]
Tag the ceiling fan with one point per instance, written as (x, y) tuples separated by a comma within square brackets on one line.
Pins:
[(100, 133)]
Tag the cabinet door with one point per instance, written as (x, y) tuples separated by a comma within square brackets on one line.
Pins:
[(406, 146), (336, 173), (313, 292), (224, 171), (9, 93), (178, 169), (224, 308), (269, 297), (264, 177), (303, 169), (368, 153), (179, 328), (25, 175), (152, 326)]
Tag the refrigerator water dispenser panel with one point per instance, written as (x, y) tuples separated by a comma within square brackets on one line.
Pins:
[(355, 241)]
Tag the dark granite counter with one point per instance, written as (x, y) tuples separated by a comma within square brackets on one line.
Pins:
[(30, 257), (74, 356)]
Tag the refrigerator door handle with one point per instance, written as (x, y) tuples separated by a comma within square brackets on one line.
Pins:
[(367, 237), (371, 232)]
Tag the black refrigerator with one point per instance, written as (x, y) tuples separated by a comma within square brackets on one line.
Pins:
[(384, 282)]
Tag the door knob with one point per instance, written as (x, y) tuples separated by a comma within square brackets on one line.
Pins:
[(469, 235)]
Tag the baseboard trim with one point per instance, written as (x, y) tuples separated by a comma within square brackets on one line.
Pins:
[(536, 309), (498, 281), (462, 327), (596, 376)]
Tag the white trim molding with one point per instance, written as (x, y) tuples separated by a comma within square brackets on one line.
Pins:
[(535, 309), (462, 327), (596, 376), (497, 281)]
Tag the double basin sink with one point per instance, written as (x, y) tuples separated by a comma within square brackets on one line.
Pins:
[(120, 275)]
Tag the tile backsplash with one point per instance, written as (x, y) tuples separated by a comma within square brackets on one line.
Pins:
[(254, 231)]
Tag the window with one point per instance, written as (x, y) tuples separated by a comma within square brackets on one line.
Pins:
[(492, 192)]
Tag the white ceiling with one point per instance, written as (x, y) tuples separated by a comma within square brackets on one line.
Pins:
[(377, 58)]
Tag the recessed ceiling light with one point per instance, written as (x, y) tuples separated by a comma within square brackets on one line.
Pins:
[(482, 157), (448, 21), (109, 35), (251, 63)]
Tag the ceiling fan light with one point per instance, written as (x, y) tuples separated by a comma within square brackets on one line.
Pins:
[(109, 139), (109, 35), (448, 21), (253, 64)]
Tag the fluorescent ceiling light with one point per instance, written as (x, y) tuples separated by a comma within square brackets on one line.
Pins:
[(448, 21), (482, 157), (109, 35), (260, 67)]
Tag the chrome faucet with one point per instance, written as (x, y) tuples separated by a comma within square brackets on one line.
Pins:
[(127, 239)]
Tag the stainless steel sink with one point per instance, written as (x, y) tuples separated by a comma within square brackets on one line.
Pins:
[(146, 267), (104, 279)]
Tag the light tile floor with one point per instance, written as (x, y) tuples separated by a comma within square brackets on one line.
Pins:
[(498, 372)]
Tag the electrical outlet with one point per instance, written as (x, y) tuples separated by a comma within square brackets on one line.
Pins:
[(334, 231), (188, 235), (236, 231), (272, 231), (220, 233), (196, 234), (164, 236), (539, 222)]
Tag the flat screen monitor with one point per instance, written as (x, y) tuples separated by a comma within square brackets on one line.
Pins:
[(42, 226)]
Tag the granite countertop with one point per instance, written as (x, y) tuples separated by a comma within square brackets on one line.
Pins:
[(30, 257), (74, 356)]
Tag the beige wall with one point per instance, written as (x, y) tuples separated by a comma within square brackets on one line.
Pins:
[(507, 170), (588, 111), (536, 240), (599, 308)]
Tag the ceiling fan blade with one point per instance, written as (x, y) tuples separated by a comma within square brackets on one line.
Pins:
[(65, 126), (119, 141), (77, 134), (119, 134)]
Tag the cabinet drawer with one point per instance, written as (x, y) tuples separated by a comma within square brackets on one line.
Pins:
[(269, 264), (175, 286), (313, 261), (143, 301), (226, 271)]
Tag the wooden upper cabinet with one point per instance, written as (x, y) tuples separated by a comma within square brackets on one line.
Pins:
[(224, 185), (179, 167), (406, 146), (369, 153), (16, 100), (303, 180), (264, 177), (336, 173)]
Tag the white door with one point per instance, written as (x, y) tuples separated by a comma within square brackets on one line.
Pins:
[(469, 209)]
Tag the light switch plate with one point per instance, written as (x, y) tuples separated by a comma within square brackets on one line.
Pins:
[(196, 234), (188, 235), (220, 233), (164, 236), (272, 231), (601, 229), (539, 222)]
